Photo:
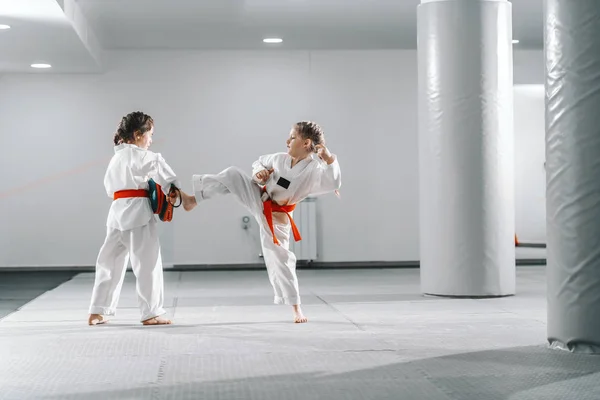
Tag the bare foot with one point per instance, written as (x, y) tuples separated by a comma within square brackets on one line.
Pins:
[(157, 321), (96, 319), (189, 202), (299, 318)]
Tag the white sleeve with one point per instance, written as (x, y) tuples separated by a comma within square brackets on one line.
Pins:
[(263, 162), (163, 174), (109, 192), (328, 179)]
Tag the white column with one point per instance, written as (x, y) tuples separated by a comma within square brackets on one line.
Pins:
[(466, 148), (572, 51)]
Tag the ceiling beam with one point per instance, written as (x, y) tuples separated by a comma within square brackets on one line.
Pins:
[(83, 29)]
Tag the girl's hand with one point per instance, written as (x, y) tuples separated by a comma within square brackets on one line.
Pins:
[(324, 154), (173, 197), (263, 176)]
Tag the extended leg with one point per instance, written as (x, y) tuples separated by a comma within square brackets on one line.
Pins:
[(229, 181)]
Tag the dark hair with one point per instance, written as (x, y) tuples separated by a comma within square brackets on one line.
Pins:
[(310, 130), (130, 124)]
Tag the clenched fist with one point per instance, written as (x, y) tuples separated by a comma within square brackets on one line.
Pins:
[(324, 154), (262, 176)]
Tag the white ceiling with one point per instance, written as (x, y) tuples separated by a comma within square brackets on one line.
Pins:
[(41, 33), (41, 30)]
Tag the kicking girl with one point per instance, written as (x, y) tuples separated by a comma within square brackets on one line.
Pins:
[(131, 224), (279, 182)]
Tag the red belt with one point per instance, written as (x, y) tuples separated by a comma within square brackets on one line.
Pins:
[(123, 194), (269, 207)]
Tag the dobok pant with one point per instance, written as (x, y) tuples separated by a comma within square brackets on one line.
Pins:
[(142, 246), (280, 261)]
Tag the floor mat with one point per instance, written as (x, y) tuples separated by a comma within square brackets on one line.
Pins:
[(19, 288)]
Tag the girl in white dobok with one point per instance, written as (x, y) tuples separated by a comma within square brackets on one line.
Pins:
[(131, 225), (279, 182)]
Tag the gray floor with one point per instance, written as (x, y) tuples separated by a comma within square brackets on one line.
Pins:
[(371, 335), (18, 288)]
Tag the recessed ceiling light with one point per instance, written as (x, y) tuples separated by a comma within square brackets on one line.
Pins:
[(2, 27), (41, 66), (272, 40), (515, 41)]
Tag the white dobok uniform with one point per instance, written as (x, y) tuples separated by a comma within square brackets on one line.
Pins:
[(311, 176), (132, 233)]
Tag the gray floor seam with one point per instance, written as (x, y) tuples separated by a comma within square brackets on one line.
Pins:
[(159, 379), (339, 312), (176, 297)]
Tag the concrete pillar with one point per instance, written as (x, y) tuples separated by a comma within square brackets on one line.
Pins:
[(466, 148), (572, 52)]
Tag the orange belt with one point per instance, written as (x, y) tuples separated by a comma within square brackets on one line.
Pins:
[(269, 207), (122, 194)]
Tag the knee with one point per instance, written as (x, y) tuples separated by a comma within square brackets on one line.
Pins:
[(234, 171), (236, 174)]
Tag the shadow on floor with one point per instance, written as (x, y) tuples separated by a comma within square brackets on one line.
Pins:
[(520, 373)]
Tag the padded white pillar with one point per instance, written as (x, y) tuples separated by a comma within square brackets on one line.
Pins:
[(466, 148), (572, 51)]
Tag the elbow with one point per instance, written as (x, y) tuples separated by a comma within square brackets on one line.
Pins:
[(334, 182), (338, 182)]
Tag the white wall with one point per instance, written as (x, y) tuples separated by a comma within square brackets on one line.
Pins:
[(528, 66), (530, 174), (212, 110)]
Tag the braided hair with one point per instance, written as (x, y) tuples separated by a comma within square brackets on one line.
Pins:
[(130, 124), (310, 130)]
